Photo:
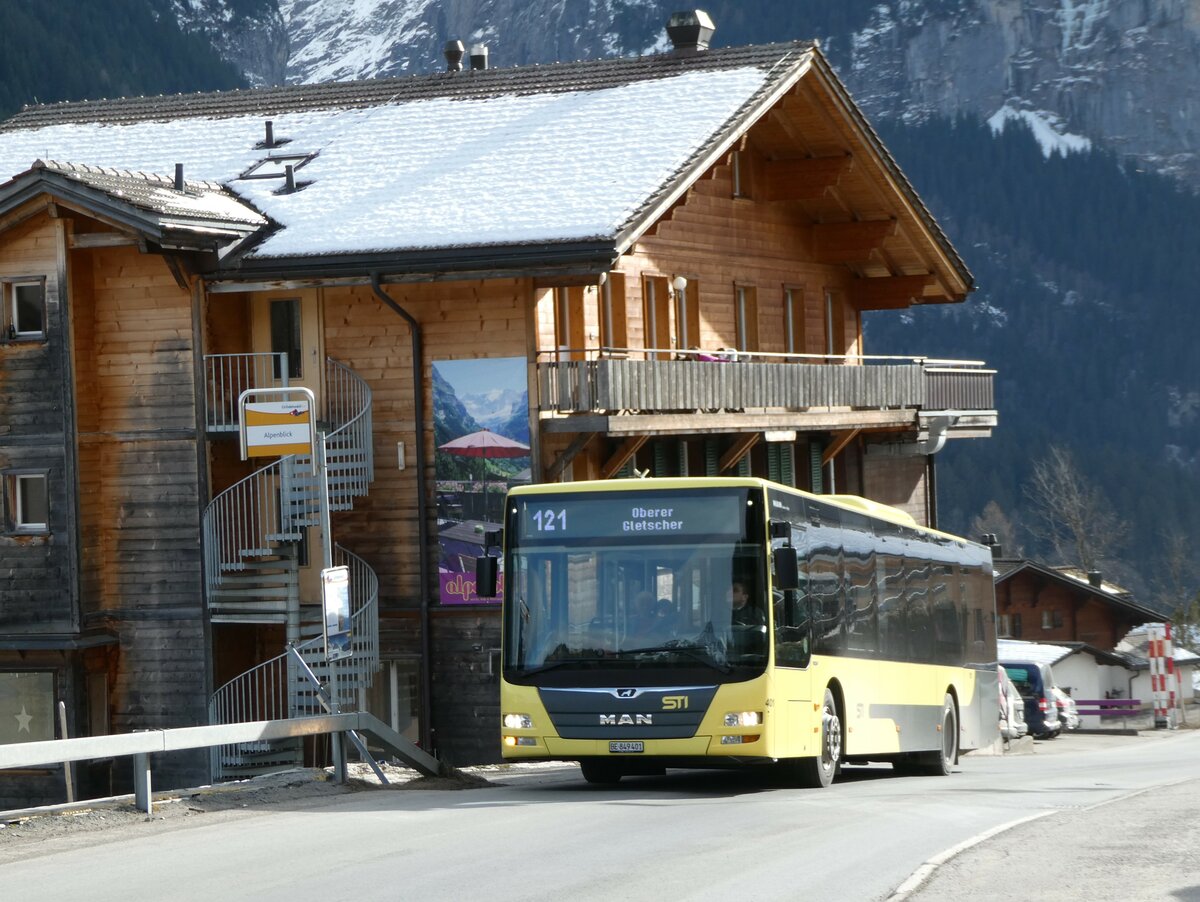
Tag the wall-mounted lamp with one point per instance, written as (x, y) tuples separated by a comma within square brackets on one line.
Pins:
[(679, 283), (399, 455)]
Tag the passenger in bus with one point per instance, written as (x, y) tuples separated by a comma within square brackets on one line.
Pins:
[(743, 611), (643, 623)]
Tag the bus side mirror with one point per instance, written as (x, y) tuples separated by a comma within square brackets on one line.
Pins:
[(486, 574), (787, 568)]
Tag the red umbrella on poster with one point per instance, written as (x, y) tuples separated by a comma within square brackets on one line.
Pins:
[(486, 444)]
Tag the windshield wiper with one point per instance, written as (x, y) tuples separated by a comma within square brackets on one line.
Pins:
[(559, 662), (692, 650)]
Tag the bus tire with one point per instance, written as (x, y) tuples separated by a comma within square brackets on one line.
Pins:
[(601, 773), (818, 771), (940, 762)]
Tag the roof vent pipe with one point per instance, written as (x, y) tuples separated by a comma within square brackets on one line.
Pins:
[(454, 52), (1095, 578), (289, 178), (178, 176), (691, 30), (269, 140), (479, 56)]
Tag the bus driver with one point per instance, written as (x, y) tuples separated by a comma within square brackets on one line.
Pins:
[(743, 612)]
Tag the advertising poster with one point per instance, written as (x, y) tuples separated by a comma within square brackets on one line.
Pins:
[(481, 430)]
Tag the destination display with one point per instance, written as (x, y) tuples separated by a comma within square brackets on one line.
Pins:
[(631, 516)]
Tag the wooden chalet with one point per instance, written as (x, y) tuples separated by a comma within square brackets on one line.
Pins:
[(678, 248), (1045, 604)]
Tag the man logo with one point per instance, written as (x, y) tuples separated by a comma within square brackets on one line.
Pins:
[(626, 693), (626, 720)]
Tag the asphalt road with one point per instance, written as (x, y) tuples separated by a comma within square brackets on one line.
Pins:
[(547, 835)]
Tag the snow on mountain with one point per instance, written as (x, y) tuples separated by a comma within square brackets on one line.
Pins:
[(1046, 128), (346, 39), (495, 407)]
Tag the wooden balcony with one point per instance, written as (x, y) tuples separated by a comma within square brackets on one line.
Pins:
[(673, 394)]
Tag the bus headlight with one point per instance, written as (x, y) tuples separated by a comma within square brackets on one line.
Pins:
[(518, 722), (743, 718)]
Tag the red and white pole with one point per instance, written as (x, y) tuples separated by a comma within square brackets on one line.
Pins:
[(1154, 652)]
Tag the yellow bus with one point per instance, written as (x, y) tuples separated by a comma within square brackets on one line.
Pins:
[(708, 622)]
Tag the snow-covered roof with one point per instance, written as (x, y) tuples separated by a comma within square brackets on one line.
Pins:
[(1033, 652), (538, 155)]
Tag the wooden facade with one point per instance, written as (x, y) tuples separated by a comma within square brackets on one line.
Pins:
[(763, 259), (1041, 604)]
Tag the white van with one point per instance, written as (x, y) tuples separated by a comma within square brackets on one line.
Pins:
[(1012, 708)]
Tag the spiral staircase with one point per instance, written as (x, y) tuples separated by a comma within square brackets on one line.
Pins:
[(252, 533)]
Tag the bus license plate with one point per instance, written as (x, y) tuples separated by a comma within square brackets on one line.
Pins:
[(617, 746)]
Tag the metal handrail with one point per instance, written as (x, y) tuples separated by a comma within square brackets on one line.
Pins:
[(247, 519), (226, 376), (273, 690)]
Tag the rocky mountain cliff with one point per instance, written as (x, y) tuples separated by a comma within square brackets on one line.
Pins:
[(1124, 74)]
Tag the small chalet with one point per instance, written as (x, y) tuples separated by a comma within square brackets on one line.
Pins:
[(1046, 604), (657, 264)]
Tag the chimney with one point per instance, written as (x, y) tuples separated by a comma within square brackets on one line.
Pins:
[(178, 176), (454, 52), (989, 539), (690, 31), (1095, 579), (479, 56)]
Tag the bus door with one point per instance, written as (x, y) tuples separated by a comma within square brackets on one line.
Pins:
[(793, 652)]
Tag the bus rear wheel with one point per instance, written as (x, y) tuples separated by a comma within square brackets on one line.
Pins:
[(818, 771), (601, 773), (938, 763)]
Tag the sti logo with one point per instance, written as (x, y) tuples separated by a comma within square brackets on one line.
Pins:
[(674, 702)]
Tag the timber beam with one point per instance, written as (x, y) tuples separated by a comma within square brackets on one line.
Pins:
[(569, 454), (739, 449), (806, 179), (628, 448), (890, 292), (82, 240), (851, 242), (838, 445)]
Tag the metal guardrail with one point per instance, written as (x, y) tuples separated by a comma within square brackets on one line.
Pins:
[(140, 746)]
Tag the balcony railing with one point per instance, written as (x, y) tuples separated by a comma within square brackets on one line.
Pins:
[(662, 381)]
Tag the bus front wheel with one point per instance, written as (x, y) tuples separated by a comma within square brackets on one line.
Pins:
[(818, 771), (602, 773)]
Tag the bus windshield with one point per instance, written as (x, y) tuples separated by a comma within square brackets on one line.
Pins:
[(648, 581)]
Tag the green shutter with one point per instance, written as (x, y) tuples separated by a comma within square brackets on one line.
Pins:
[(815, 450)]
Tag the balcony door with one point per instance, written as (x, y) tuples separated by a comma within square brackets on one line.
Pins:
[(290, 323)]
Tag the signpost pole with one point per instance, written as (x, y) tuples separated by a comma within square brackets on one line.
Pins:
[(338, 740)]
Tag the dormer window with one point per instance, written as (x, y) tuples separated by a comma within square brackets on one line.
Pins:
[(274, 166)]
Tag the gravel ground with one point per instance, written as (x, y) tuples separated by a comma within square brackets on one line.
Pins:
[(21, 832)]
